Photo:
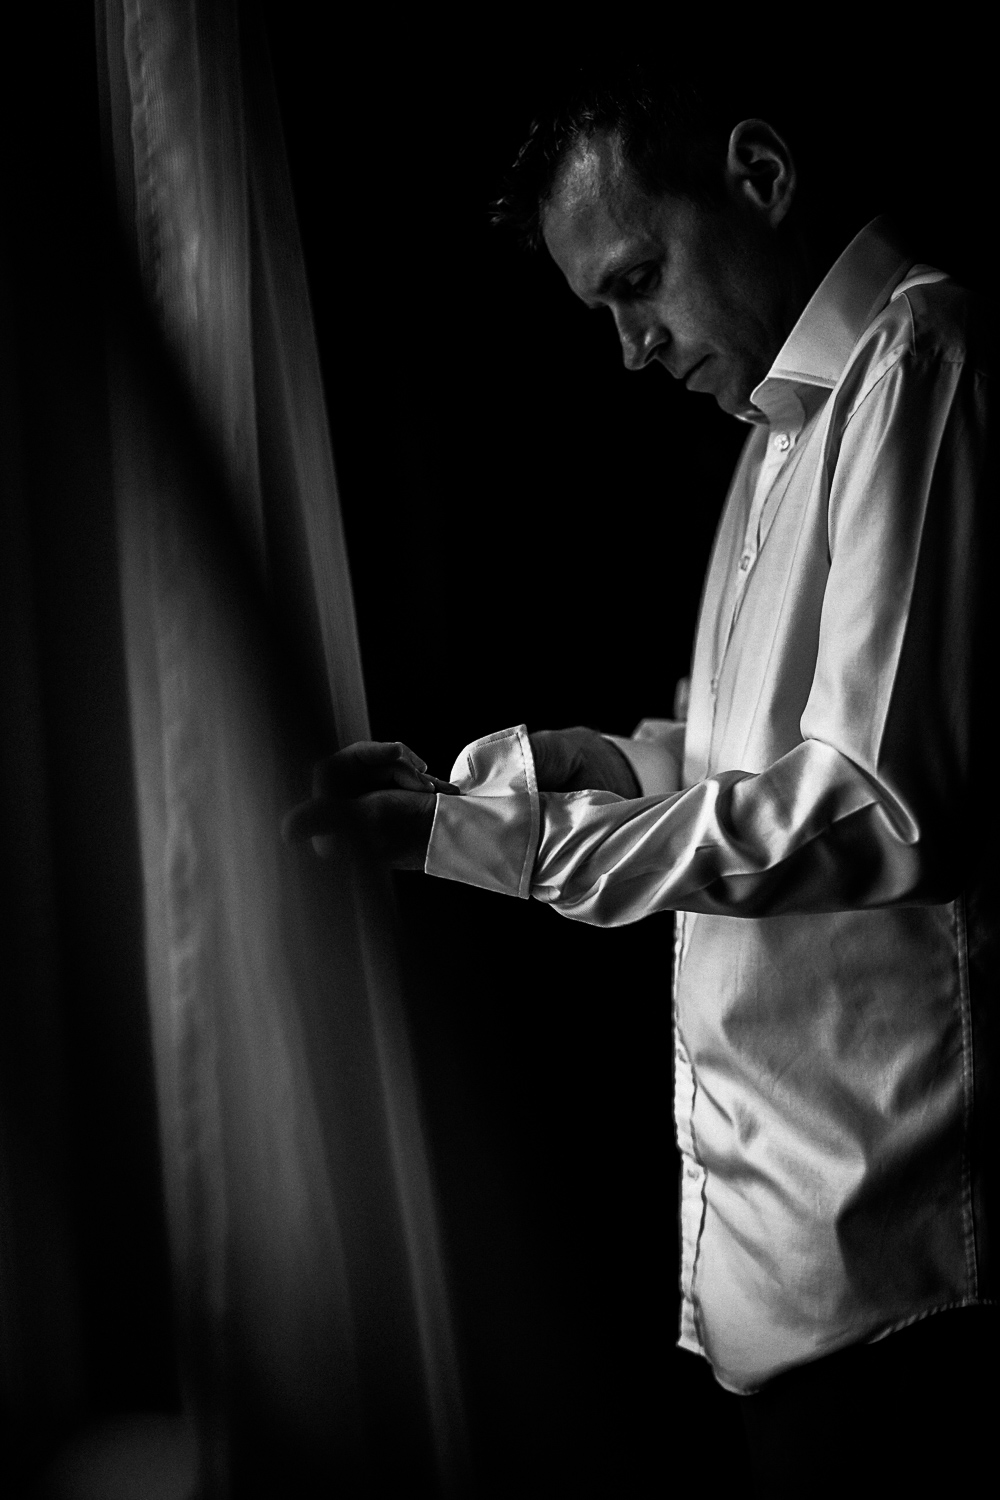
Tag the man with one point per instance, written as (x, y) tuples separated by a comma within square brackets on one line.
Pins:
[(813, 822)]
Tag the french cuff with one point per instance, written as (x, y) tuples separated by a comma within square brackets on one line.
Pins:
[(488, 836), (656, 754)]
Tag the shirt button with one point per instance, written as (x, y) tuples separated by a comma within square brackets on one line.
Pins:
[(693, 1173), (782, 442), (744, 562)]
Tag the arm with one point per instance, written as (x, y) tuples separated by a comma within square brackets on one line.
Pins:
[(868, 808)]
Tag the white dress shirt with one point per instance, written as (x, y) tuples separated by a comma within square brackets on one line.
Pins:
[(811, 826)]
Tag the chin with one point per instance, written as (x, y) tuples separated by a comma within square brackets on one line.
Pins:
[(734, 400), (736, 405)]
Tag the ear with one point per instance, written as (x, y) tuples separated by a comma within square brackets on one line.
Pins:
[(760, 170)]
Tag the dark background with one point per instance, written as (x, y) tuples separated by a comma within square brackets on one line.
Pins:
[(528, 526)]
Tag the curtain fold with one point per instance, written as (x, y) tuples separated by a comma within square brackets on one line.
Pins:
[(312, 1312)]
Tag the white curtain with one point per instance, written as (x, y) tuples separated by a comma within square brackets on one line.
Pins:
[(311, 1303)]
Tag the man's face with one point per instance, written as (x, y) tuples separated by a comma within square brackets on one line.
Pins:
[(703, 291)]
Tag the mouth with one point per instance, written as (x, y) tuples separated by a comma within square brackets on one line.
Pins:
[(691, 374)]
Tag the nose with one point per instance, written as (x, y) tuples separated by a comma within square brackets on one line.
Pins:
[(638, 337)]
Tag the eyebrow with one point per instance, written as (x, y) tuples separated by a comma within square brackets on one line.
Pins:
[(616, 269), (611, 275)]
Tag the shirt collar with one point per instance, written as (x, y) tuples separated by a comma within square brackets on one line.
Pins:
[(854, 290)]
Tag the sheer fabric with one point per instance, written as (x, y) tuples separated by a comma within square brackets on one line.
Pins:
[(311, 1299)]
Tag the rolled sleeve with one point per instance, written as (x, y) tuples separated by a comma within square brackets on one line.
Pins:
[(488, 836)]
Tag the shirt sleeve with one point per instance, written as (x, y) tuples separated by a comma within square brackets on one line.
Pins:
[(870, 807), (489, 835)]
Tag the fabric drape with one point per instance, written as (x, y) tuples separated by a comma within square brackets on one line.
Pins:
[(315, 1338)]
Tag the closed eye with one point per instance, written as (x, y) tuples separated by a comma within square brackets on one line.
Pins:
[(643, 280)]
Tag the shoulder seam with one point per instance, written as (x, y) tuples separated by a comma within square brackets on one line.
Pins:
[(939, 357)]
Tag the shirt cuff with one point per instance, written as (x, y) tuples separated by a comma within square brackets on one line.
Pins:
[(656, 754), (488, 836)]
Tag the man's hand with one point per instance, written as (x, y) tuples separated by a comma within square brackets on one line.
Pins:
[(390, 795), (396, 826), (577, 760), (370, 765)]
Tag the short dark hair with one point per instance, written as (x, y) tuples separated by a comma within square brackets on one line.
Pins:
[(674, 136)]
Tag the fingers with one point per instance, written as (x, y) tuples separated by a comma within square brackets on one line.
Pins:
[(323, 815), (366, 766), (580, 759), (379, 752), (556, 759), (395, 825), (354, 772), (371, 765), (446, 788)]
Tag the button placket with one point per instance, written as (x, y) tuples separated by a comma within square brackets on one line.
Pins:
[(780, 445)]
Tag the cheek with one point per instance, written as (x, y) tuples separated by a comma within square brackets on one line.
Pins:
[(692, 316), (720, 303), (707, 308)]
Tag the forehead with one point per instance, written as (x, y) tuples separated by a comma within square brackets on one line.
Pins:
[(597, 217)]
